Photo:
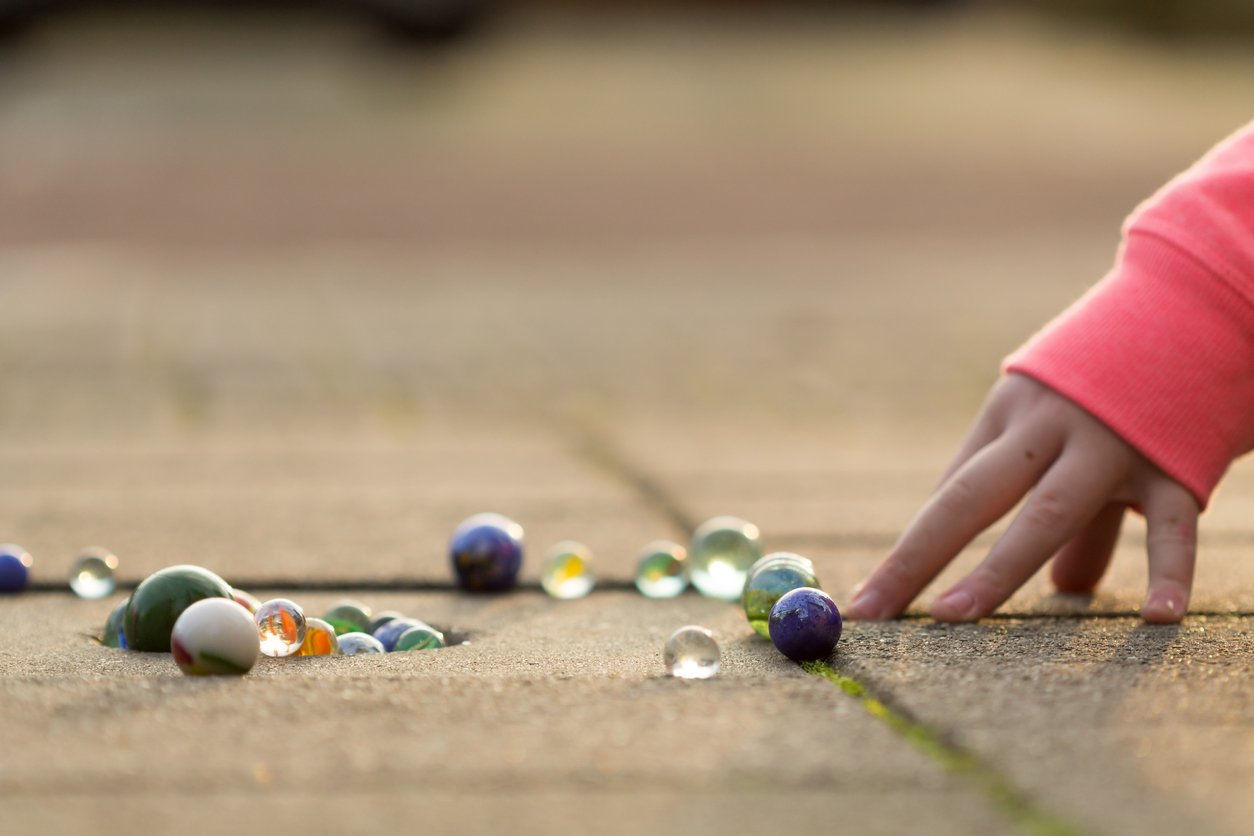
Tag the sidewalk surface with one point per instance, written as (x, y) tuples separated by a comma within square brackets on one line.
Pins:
[(289, 306)]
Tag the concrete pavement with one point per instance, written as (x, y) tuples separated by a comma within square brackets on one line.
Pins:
[(277, 379)]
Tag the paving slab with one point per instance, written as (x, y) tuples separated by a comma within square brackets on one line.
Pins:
[(561, 702), (1124, 726)]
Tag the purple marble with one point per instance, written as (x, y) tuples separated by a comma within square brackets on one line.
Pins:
[(805, 624)]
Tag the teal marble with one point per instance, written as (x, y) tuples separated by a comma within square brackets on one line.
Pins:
[(158, 602), (778, 574)]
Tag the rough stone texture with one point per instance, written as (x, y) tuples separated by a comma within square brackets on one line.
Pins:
[(557, 699), (1112, 720)]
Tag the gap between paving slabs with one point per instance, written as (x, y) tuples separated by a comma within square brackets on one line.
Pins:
[(1008, 798)]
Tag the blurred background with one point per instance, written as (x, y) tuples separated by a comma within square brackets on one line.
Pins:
[(716, 238)]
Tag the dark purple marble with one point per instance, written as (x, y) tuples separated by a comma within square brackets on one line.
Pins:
[(14, 572), (487, 552), (805, 624)]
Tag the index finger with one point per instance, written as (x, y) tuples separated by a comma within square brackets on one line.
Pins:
[(979, 492)]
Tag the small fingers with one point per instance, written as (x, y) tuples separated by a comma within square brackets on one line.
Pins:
[(1080, 564), (982, 490), (1068, 497), (1171, 540)]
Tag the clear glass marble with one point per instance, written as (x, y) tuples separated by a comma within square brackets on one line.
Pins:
[(354, 644), (568, 571), (722, 551), (93, 574), (320, 639), (691, 653), (662, 570), (281, 625)]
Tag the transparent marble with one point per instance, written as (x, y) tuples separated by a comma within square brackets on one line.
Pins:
[(281, 625), (662, 569), (691, 653), (353, 644), (348, 616), (722, 551), (420, 638), (769, 580), (320, 639), (93, 574), (568, 571)]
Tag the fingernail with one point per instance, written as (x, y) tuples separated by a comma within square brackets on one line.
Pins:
[(867, 605), (957, 605), (1165, 606)]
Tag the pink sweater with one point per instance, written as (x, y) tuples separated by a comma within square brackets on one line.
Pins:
[(1162, 349)]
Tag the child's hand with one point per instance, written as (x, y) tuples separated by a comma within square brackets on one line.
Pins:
[(1081, 477)]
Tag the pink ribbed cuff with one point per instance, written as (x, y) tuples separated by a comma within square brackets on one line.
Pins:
[(1162, 352)]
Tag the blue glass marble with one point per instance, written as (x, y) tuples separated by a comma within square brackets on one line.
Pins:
[(805, 624), (381, 618), (487, 551), (15, 563), (392, 630)]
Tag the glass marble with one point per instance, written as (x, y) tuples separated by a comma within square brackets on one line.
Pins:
[(281, 627), (391, 631), (114, 629), (93, 574), (320, 639), (215, 637), (381, 618), (568, 571), (352, 644), (246, 600), (805, 625), (348, 617), (768, 580), (722, 551), (420, 638), (15, 563), (486, 551), (691, 653), (161, 598), (662, 569)]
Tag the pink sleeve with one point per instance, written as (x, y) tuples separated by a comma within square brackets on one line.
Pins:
[(1162, 349)]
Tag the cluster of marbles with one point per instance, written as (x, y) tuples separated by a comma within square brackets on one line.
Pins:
[(212, 628)]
